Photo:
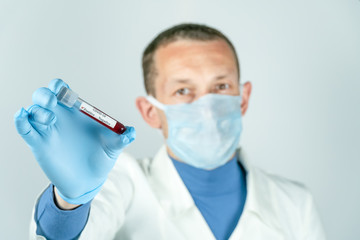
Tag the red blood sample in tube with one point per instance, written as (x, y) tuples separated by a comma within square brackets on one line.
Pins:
[(71, 99), (101, 117)]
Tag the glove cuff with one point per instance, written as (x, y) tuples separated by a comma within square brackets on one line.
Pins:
[(86, 197)]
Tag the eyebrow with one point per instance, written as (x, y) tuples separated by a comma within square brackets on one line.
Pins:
[(181, 80), (221, 77), (187, 80)]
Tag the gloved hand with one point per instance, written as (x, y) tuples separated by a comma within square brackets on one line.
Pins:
[(75, 152)]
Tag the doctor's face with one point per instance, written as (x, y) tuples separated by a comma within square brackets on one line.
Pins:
[(189, 69)]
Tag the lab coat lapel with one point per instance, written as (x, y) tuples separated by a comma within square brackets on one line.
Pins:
[(258, 221), (175, 199)]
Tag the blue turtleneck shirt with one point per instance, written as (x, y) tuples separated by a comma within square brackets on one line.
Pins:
[(219, 194)]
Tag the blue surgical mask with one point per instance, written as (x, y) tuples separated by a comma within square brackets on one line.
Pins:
[(204, 133)]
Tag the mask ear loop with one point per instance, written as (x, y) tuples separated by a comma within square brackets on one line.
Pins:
[(155, 102)]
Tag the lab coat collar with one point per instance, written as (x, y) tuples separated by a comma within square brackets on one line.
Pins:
[(259, 197), (178, 204), (168, 185)]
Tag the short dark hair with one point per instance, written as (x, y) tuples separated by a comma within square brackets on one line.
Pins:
[(189, 31)]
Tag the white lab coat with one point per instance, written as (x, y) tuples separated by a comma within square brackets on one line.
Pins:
[(146, 199)]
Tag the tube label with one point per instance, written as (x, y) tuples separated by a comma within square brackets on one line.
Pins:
[(97, 114)]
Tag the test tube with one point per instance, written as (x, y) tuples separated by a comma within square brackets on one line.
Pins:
[(71, 99)]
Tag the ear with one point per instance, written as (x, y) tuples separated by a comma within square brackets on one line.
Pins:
[(148, 112), (246, 92)]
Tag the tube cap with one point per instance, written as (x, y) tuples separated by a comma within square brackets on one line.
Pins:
[(67, 97)]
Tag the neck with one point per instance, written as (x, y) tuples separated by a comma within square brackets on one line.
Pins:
[(204, 182)]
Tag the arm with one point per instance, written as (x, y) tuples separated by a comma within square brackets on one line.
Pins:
[(55, 223)]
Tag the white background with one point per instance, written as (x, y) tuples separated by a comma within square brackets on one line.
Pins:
[(302, 57)]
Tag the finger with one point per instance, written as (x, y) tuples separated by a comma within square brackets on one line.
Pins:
[(23, 126), (115, 142), (44, 98), (126, 138), (130, 133), (41, 115), (56, 84)]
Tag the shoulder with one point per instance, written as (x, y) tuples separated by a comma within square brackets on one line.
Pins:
[(284, 189), (284, 184), (293, 204), (289, 202), (263, 182)]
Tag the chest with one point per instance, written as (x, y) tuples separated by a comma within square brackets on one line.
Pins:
[(152, 215)]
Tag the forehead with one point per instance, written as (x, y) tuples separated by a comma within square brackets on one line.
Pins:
[(193, 54)]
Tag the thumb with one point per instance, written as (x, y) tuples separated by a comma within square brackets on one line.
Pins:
[(114, 143), (23, 126)]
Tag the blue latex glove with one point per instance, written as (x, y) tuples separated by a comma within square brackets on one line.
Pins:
[(75, 152)]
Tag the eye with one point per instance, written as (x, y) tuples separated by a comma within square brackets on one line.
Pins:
[(183, 91), (223, 86)]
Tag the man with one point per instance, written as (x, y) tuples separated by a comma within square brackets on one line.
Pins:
[(198, 186)]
